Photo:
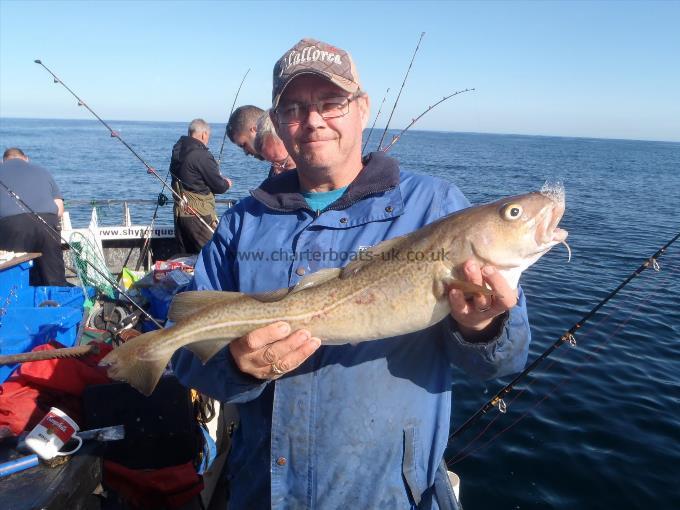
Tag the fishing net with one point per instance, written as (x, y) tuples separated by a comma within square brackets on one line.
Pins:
[(87, 255), (90, 266)]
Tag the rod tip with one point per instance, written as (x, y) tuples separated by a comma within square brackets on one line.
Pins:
[(38, 61)]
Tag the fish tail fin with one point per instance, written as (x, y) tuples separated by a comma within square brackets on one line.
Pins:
[(136, 364)]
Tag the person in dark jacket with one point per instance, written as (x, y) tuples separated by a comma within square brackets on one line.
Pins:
[(20, 230), (196, 178)]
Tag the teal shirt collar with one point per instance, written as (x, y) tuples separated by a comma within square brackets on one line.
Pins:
[(318, 201)]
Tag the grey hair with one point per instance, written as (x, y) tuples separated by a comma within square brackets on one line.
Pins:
[(265, 130), (198, 126), (242, 119)]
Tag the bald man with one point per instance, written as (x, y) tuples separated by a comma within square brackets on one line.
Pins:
[(20, 230)]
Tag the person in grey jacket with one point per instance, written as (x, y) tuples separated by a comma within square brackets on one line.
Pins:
[(20, 230), (347, 426)]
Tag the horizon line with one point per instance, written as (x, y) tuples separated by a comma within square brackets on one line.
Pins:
[(377, 129)]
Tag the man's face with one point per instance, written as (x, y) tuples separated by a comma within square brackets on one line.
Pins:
[(316, 142), (246, 141)]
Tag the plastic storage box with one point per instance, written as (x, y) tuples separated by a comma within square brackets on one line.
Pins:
[(14, 281), (40, 314)]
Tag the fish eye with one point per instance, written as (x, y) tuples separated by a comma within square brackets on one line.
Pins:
[(511, 212)]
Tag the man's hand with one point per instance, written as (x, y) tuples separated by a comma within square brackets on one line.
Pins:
[(476, 314), (271, 351), (228, 181)]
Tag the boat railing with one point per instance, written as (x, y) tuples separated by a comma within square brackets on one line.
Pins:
[(145, 201), (124, 205)]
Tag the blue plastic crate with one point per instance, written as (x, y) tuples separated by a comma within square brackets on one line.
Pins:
[(52, 296), (14, 283), (23, 328), (62, 296), (159, 301), (38, 315)]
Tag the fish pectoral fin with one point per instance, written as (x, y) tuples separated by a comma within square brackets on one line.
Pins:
[(467, 287), (189, 303), (206, 349)]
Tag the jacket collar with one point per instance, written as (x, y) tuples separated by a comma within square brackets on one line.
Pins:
[(189, 143), (282, 192)]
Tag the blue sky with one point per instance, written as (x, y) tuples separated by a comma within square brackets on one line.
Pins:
[(592, 69)]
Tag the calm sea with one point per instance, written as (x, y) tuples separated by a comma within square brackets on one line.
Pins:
[(598, 425)]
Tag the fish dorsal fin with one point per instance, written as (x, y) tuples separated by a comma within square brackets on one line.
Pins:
[(315, 279), (207, 348), (380, 251), (271, 296), (186, 304), (309, 281)]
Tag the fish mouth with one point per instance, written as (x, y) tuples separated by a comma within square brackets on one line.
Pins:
[(548, 234)]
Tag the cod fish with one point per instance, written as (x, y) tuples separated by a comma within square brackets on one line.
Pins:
[(396, 287)]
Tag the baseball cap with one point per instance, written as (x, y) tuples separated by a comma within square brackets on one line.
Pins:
[(310, 56)]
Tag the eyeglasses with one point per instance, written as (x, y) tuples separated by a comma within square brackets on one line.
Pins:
[(281, 164), (330, 108)]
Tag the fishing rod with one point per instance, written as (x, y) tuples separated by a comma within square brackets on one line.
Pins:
[(396, 138), (370, 131), (64, 352), (568, 337), (57, 237), (224, 138), (422, 34), (161, 197), (147, 240), (115, 134), (162, 200), (560, 385)]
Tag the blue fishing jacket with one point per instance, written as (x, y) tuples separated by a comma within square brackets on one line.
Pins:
[(355, 426)]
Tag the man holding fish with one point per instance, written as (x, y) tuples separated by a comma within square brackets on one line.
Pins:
[(329, 419)]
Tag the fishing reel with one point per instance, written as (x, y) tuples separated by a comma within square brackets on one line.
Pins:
[(112, 316)]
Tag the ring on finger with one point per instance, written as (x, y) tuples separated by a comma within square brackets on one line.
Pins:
[(276, 370)]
